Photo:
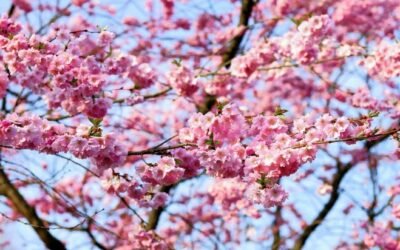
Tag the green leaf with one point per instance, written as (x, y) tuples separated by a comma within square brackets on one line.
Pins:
[(263, 181), (297, 22), (210, 142), (96, 122), (280, 111), (95, 131), (74, 81), (221, 105), (41, 46), (178, 161), (372, 114), (177, 62)]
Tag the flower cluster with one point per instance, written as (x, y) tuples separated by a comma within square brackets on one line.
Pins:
[(23, 5), (379, 236), (261, 149), (288, 7), (228, 193), (165, 172), (183, 80), (385, 62), (72, 76), (32, 132), (224, 85), (302, 45), (135, 237), (261, 54), (269, 197), (371, 16)]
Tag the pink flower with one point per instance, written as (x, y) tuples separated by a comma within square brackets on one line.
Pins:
[(77, 146), (159, 200), (396, 211), (300, 126), (186, 135), (142, 75), (105, 38), (171, 174), (137, 191), (268, 197), (282, 141), (316, 27), (97, 108), (168, 8), (3, 83), (61, 144), (134, 99), (82, 130), (269, 157), (8, 27), (188, 161), (80, 2), (23, 5), (342, 124), (92, 148), (323, 121), (131, 21), (220, 154), (243, 66), (183, 80), (313, 135)]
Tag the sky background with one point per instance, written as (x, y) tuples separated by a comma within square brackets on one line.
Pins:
[(335, 227)]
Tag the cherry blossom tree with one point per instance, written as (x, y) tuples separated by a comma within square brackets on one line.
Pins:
[(199, 124)]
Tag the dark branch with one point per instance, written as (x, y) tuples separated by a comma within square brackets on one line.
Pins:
[(8, 190), (155, 214), (231, 51), (93, 238), (159, 150), (275, 228), (11, 10), (334, 197)]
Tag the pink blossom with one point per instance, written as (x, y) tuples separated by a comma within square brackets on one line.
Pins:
[(24, 5), (77, 146), (97, 108), (183, 80), (105, 38), (80, 2)]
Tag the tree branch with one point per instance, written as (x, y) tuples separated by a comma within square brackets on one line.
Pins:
[(275, 228), (337, 179), (11, 10), (155, 214), (160, 150), (300, 242), (93, 238), (232, 50), (8, 190)]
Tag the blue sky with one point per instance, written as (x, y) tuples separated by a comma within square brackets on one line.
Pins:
[(335, 226)]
